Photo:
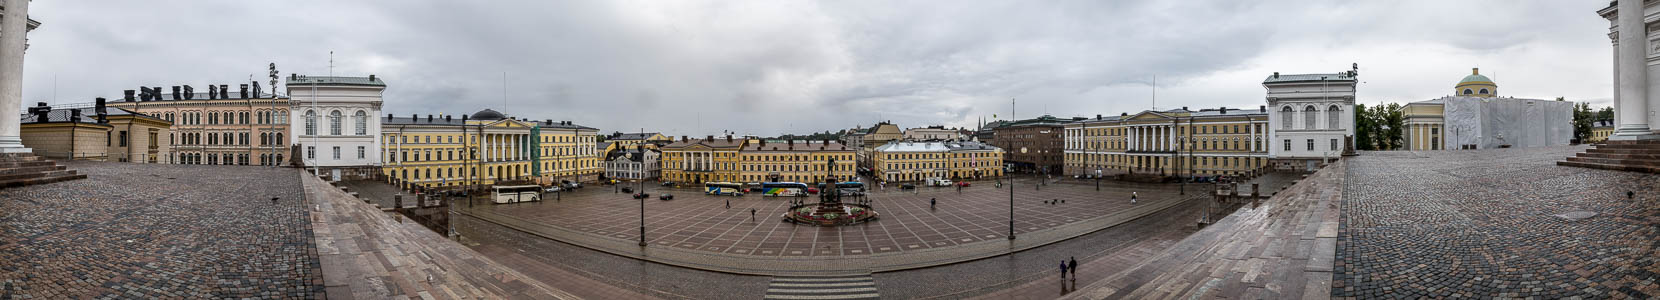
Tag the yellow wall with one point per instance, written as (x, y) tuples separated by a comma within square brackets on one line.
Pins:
[(58, 140), (434, 156), (1219, 146), (797, 166), (1600, 134), (918, 166)]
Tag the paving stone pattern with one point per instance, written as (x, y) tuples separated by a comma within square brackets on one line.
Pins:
[(159, 231), (1481, 224)]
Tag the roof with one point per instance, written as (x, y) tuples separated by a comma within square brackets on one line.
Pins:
[(88, 115), (1045, 120), (603, 145), (904, 146), (488, 115), (299, 80), (632, 154), (798, 145), (1319, 77), (708, 142), (168, 96), (453, 121), (634, 136)]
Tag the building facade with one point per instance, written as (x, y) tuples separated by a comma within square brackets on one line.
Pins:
[(702, 160), (484, 148), (1176, 142), (795, 161), (875, 136), (1635, 100), (1312, 116), (97, 133), (907, 161), (648, 139), (1600, 130), (1478, 118), (338, 134), (1032, 145), (219, 127), (932, 133), (634, 163), (15, 26)]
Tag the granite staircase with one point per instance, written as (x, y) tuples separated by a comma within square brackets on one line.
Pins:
[(1639, 156), (21, 169)]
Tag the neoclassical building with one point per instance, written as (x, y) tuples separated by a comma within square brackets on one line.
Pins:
[(1312, 116), (1476, 85), (484, 148), (1635, 100), (1478, 118), (215, 125), (702, 160), (337, 134), (1177, 142)]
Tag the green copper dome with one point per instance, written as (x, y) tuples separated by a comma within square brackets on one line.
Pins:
[(1475, 78)]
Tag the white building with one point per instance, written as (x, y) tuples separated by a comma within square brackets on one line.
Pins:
[(1635, 70), (334, 125), (1311, 116), (633, 163), (932, 133)]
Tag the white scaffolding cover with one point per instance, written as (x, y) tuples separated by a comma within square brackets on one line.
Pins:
[(1491, 123)]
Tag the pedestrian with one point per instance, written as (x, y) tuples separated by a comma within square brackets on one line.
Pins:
[(752, 215), (1132, 197), (728, 203), (1063, 270), (1073, 264), (931, 203), (1063, 201)]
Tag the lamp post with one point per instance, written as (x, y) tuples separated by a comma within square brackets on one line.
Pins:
[(1011, 182), (642, 184)]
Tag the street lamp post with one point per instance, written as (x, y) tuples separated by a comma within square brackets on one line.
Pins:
[(1011, 181), (642, 183)]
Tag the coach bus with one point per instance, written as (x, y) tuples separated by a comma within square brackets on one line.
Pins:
[(517, 193), (723, 188), (786, 189)]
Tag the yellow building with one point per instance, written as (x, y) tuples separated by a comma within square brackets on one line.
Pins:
[(1176, 142), (484, 148), (1425, 124), (220, 126), (794, 161), (1476, 85), (651, 140), (903, 161), (1600, 130), (702, 160), (876, 136), (85, 134)]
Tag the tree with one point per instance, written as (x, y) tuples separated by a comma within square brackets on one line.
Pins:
[(1365, 129), (1606, 113), (1583, 119), (1386, 122)]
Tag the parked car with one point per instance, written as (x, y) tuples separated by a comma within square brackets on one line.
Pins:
[(812, 190), (665, 196), (907, 186), (642, 196), (573, 185), (668, 183), (553, 189), (628, 190), (964, 184)]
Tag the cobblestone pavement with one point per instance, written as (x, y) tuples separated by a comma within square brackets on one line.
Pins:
[(159, 231), (1481, 224), (698, 231)]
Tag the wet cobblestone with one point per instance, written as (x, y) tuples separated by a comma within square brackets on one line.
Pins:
[(159, 231), (1481, 224)]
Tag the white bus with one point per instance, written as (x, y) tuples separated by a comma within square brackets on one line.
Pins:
[(517, 193)]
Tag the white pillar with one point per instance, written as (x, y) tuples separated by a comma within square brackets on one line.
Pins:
[(15, 28), (1633, 93), (1251, 139)]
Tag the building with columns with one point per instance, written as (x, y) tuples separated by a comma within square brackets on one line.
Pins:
[(702, 160), (15, 25), (484, 148), (338, 134), (1178, 142), (794, 160), (1634, 98), (1478, 118), (1311, 115)]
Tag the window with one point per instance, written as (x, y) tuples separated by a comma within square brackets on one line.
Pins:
[(1308, 117), (1333, 115), (1310, 144), (334, 123), (311, 152), (1334, 145), (336, 152), (361, 152), (1468, 91), (1483, 91), (310, 123), (1287, 145), (123, 138), (1286, 115)]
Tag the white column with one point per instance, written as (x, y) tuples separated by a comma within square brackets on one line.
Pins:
[(15, 26), (1633, 93), (1134, 137)]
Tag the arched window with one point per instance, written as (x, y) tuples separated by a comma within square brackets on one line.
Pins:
[(1308, 117), (1333, 115), (1468, 92), (362, 122), (279, 142), (310, 123), (1483, 91), (1286, 114), (334, 122)]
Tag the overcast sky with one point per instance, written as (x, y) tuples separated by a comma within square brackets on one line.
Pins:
[(768, 67)]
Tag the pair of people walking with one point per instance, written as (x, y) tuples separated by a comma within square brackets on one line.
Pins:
[(1070, 265)]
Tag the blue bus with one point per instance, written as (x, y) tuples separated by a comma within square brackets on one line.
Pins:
[(846, 188), (785, 189), (723, 188)]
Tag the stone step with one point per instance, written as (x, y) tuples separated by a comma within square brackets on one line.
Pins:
[(4, 177), (24, 163), (1612, 161), (1622, 151), (1630, 146), (1604, 166), (27, 170), (1618, 155), (40, 180), (1628, 142)]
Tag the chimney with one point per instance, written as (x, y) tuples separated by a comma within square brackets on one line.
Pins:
[(429, 118), (371, 77), (1224, 110), (447, 118), (213, 92), (1276, 74), (388, 117), (74, 115), (684, 139), (1184, 108), (1262, 108), (763, 142), (189, 92), (710, 138), (1097, 117), (729, 138), (245, 91), (41, 111), (414, 117), (293, 77), (128, 95), (176, 93), (464, 118), (224, 91)]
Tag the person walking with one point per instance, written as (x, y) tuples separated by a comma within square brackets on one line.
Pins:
[(728, 203), (752, 215), (1063, 270), (931, 203), (1073, 265), (1132, 197)]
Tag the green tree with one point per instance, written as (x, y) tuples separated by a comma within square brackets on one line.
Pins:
[(1365, 129), (1389, 121), (1583, 118), (1606, 113)]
